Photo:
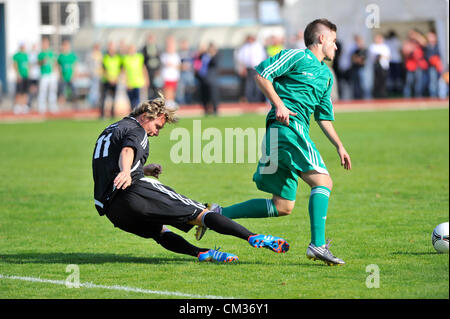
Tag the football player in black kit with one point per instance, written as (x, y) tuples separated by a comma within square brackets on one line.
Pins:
[(143, 206)]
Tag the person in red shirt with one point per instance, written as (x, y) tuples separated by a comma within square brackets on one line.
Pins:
[(415, 64)]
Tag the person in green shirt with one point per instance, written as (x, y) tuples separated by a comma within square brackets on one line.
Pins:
[(136, 74), (66, 64), (48, 82), (298, 84), (21, 68)]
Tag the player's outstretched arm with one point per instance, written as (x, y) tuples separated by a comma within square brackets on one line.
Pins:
[(123, 179), (328, 129)]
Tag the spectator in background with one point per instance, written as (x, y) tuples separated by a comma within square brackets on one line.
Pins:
[(238, 68), (274, 45), (434, 63), (395, 77), (67, 62), (21, 67), (299, 41), (379, 56), (111, 65), (136, 75), (48, 83), (341, 72), (207, 75), (170, 72), (415, 63), (152, 63), (251, 54), (443, 85), (33, 75), (186, 84), (94, 62), (358, 61)]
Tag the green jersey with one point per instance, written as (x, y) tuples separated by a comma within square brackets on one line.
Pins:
[(67, 62), (47, 58), (302, 82), (21, 59)]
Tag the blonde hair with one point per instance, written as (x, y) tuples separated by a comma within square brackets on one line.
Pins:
[(154, 108)]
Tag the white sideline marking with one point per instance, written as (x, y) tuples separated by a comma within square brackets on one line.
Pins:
[(115, 287)]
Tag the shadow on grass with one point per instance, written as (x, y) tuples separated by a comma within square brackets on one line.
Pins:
[(415, 253), (103, 258), (86, 258)]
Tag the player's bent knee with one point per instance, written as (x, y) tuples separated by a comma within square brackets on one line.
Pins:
[(199, 219), (324, 180), (284, 206), (329, 183), (284, 212)]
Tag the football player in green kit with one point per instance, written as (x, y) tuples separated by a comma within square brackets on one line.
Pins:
[(298, 84)]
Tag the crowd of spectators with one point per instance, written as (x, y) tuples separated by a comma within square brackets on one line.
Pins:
[(389, 67), (385, 68)]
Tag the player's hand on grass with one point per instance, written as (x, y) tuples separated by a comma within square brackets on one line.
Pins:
[(345, 158), (123, 180), (152, 170), (282, 114)]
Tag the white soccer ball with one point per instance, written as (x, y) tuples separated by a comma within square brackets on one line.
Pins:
[(439, 238)]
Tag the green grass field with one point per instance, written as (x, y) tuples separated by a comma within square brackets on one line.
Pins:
[(382, 212)]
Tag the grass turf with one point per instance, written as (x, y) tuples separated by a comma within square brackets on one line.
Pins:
[(382, 212)]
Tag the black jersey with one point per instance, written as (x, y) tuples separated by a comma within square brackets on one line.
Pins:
[(105, 160)]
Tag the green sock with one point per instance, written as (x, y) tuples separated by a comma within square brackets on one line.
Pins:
[(318, 207), (253, 208)]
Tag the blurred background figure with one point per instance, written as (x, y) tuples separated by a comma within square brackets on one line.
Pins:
[(94, 63), (170, 71), (21, 68), (111, 65), (341, 72), (33, 75), (249, 55), (435, 67), (415, 63), (379, 56), (274, 45), (152, 62), (186, 84), (48, 83), (135, 74), (67, 66), (358, 61), (207, 75), (443, 85), (239, 70), (395, 76), (298, 41)]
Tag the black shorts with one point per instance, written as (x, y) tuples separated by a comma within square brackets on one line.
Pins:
[(22, 86), (145, 206)]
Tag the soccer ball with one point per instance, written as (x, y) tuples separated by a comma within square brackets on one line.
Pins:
[(439, 238)]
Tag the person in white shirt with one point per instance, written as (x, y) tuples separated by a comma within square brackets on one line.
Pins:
[(250, 55), (395, 78), (170, 71), (379, 57)]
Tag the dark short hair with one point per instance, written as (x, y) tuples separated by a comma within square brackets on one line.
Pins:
[(310, 32)]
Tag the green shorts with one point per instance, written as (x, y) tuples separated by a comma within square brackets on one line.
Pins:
[(288, 150)]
